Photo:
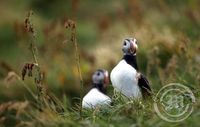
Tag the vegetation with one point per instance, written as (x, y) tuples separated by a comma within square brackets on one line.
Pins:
[(47, 58)]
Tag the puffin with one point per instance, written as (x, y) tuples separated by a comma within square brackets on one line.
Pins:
[(125, 76), (96, 96)]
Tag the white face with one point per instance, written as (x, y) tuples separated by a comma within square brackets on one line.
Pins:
[(100, 77), (130, 46)]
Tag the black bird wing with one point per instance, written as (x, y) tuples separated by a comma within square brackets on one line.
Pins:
[(144, 86)]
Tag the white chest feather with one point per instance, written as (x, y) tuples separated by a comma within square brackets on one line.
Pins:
[(95, 98), (123, 78)]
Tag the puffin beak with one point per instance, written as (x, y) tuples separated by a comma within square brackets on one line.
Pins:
[(133, 47), (106, 78)]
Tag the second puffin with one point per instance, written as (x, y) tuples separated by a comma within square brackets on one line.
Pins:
[(96, 96)]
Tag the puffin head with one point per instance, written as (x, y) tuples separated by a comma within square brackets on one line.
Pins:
[(100, 79), (130, 46)]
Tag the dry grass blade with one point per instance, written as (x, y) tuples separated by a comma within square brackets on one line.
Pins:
[(29, 66), (72, 26), (44, 98), (18, 106)]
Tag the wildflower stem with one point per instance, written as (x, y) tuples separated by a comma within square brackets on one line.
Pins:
[(33, 50), (38, 76), (77, 56)]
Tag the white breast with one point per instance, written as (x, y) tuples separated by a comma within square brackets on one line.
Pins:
[(95, 98), (123, 78)]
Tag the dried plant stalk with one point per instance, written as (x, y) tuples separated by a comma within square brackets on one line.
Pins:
[(38, 77), (44, 98), (72, 26)]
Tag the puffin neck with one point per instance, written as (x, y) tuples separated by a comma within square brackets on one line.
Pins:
[(99, 86), (131, 60)]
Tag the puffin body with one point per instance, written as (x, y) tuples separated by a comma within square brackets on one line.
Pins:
[(124, 79), (96, 96), (125, 76)]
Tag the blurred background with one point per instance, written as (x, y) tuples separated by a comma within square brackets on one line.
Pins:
[(167, 31)]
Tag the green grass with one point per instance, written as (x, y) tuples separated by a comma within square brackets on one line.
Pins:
[(123, 112)]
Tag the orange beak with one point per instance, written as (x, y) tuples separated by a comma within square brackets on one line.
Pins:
[(106, 78), (133, 48)]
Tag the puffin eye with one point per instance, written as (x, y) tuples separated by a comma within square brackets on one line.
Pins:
[(98, 73), (125, 43)]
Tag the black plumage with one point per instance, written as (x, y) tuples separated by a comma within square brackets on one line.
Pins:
[(99, 86), (131, 60), (143, 83)]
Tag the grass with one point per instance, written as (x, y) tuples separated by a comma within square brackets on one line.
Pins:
[(122, 112)]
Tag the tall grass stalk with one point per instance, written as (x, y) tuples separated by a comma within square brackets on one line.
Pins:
[(38, 77), (71, 24)]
